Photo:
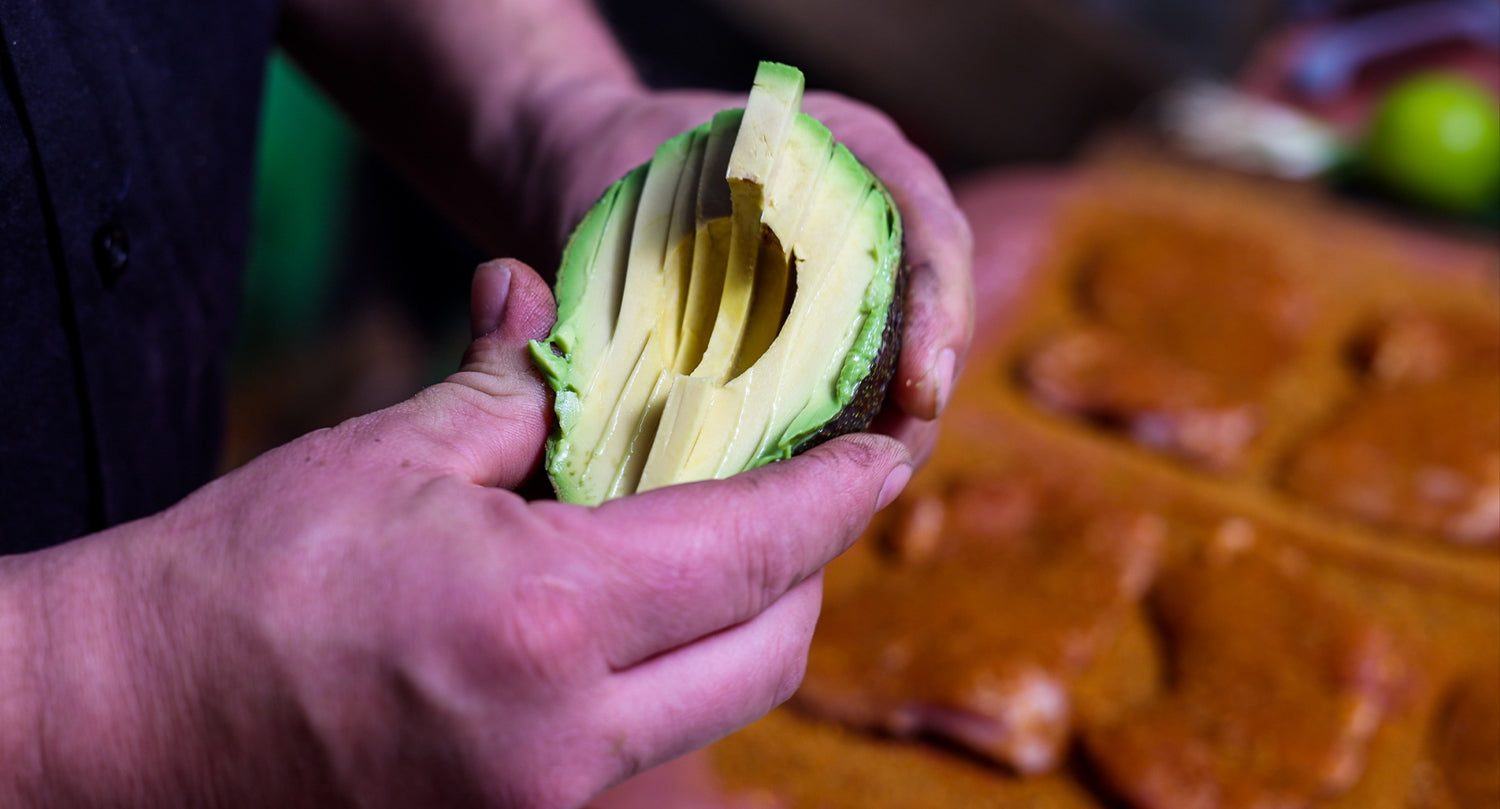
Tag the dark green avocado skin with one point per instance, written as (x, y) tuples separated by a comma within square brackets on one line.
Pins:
[(870, 396)]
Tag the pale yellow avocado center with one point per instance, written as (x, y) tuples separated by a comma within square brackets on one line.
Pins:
[(754, 312)]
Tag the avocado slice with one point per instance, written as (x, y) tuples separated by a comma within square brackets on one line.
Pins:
[(730, 303)]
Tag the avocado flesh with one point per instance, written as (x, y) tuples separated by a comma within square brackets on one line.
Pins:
[(769, 114), (751, 301), (633, 366)]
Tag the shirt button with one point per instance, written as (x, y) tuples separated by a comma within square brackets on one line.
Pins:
[(111, 251)]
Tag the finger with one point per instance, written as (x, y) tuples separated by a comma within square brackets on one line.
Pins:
[(487, 422), (685, 561), (939, 306), (919, 436), (935, 338), (692, 695), (488, 293), (510, 305), (685, 782)]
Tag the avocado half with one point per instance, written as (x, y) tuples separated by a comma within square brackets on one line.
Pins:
[(730, 303)]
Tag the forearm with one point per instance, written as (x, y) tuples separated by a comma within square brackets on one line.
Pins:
[(20, 698), (121, 686), (469, 97)]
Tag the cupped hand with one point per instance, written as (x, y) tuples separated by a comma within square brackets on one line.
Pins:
[(366, 616), (596, 134)]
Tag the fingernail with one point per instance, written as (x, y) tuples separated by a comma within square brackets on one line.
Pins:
[(942, 373), (490, 293), (895, 482)]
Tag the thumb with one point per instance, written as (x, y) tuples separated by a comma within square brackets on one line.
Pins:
[(509, 306), (488, 420)]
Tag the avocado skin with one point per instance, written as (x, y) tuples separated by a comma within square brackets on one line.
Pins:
[(869, 397)]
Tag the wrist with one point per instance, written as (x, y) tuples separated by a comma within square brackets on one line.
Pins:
[(451, 90), (138, 685), (20, 690), (94, 714), (542, 149), (69, 689)]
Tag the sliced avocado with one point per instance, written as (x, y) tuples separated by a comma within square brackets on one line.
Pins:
[(729, 303), (772, 108)]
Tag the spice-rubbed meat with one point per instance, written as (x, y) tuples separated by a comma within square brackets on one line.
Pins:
[(1466, 741), (1098, 374), (1419, 450), (1186, 330), (1215, 301), (1275, 691), (1422, 457), (987, 603), (1414, 348)]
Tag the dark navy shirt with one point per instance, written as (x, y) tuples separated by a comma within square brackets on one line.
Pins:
[(127, 132)]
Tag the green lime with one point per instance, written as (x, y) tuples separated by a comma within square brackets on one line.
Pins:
[(1435, 140)]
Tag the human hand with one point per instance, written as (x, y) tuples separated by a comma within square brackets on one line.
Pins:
[(597, 133), (365, 616), (687, 782)]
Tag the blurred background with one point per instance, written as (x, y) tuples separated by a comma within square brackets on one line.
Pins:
[(357, 293)]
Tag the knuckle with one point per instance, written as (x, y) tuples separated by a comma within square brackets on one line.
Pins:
[(762, 571), (793, 670), (767, 566), (849, 118), (567, 520), (547, 635), (858, 451), (852, 472), (945, 240), (962, 234), (792, 654), (878, 121)]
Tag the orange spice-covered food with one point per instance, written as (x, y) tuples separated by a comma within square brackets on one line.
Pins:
[(1184, 330), (1275, 692), (1210, 524), (1466, 740), (1419, 447), (1423, 457), (898, 660)]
